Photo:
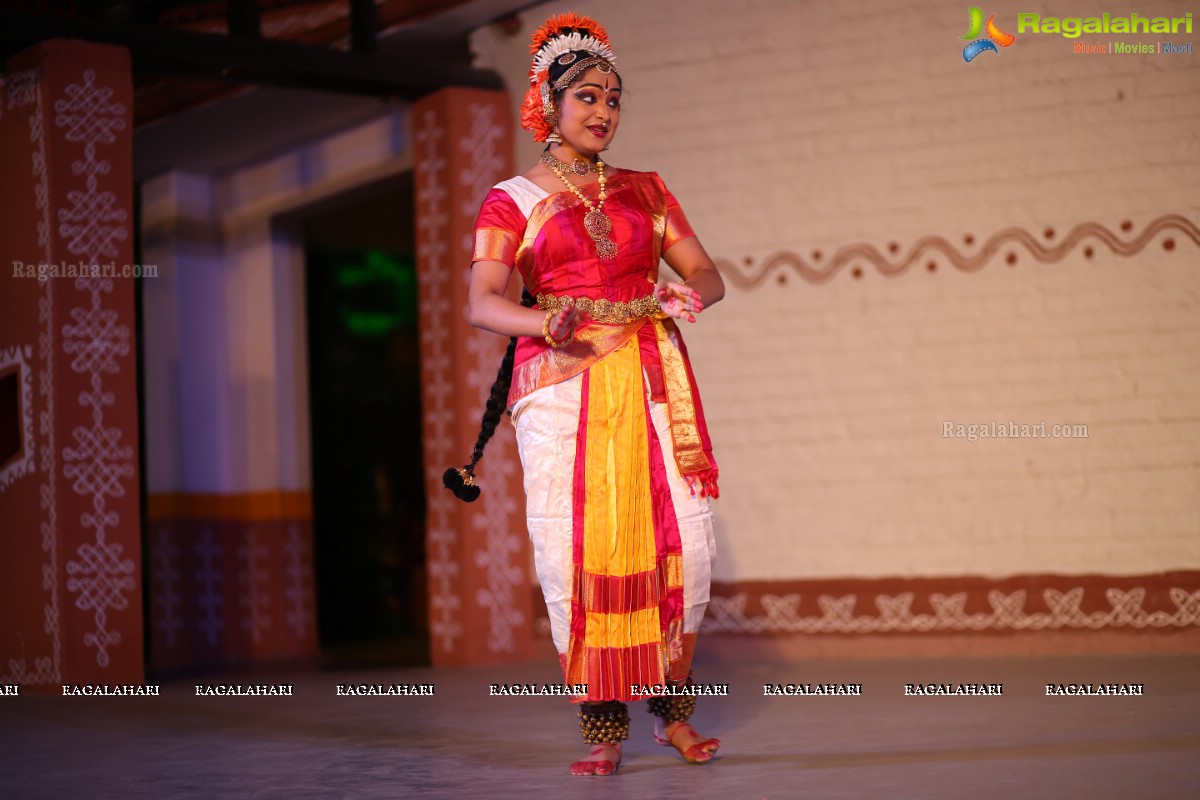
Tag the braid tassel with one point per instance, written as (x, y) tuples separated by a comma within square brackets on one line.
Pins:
[(461, 480)]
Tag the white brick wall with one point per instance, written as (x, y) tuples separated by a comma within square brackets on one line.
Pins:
[(802, 126)]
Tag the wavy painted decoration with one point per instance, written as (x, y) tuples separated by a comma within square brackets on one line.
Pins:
[(935, 251)]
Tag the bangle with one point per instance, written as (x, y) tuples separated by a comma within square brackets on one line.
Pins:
[(550, 340)]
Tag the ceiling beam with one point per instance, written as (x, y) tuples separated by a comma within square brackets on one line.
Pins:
[(166, 51), (364, 26), (241, 18)]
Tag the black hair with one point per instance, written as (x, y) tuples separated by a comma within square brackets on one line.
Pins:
[(461, 480)]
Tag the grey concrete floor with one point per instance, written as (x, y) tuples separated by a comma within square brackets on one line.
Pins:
[(461, 743)]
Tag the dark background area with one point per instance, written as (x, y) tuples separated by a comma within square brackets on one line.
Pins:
[(368, 471)]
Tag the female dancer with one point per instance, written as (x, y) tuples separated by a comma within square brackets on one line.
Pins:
[(617, 460)]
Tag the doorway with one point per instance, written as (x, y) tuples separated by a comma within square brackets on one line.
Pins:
[(365, 401)]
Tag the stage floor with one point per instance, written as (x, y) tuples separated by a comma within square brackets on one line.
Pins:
[(463, 743)]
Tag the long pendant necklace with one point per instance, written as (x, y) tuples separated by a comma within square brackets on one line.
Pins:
[(595, 221)]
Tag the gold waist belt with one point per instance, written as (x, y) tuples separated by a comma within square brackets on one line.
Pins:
[(685, 428), (606, 311)]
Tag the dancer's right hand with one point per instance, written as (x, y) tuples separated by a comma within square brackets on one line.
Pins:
[(563, 324)]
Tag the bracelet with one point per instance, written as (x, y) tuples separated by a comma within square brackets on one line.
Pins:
[(550, 340)]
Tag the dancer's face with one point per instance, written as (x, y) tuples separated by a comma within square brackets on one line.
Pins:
[(589, 112)]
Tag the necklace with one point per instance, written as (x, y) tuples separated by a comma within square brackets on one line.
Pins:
[(579, 166), (595, 221)]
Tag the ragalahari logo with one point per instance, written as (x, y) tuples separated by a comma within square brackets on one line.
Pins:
[(995, 36)]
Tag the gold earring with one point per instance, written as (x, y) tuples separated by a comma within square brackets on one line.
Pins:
[(554, 137)]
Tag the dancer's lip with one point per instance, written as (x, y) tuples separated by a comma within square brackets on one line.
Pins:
[(599, 130)]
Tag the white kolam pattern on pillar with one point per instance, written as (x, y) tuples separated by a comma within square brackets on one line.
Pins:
[(252, 577), (100, 465), (97, 462), (165, 581), (496, 517), (297, 567), (429, 165), (210, 594)]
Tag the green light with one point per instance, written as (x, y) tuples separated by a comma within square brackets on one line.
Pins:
[(380, 293)]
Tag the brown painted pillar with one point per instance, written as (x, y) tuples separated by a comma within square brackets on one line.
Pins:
[(478, 553), (70, 566)]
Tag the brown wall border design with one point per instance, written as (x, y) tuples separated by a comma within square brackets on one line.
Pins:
[(243, 507), (1163, 602), (816, 269)]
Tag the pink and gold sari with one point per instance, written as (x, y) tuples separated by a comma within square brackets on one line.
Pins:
[(616, 455)]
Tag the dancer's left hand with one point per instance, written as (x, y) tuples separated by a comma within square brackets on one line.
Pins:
[(679, 300)]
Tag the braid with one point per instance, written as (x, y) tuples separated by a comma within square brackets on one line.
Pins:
[(461, 480)]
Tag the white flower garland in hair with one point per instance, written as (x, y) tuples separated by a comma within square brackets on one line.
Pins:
[(566, 43)]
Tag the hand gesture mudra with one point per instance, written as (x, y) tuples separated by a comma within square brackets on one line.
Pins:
[(563, 324), (679, 300)]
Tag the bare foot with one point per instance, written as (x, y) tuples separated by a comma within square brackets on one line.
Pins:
[(684, 738), (602, 760)]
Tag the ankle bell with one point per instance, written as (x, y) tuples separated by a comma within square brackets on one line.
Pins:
[(604, 723)]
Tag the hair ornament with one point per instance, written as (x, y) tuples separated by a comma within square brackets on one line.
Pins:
[(565, 44), (461, 481), (565, 32)]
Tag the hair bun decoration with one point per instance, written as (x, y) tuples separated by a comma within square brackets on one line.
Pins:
[(558, 35), (586, 34), (461, 481)]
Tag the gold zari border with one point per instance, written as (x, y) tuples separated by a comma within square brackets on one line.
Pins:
[(591, 343)]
